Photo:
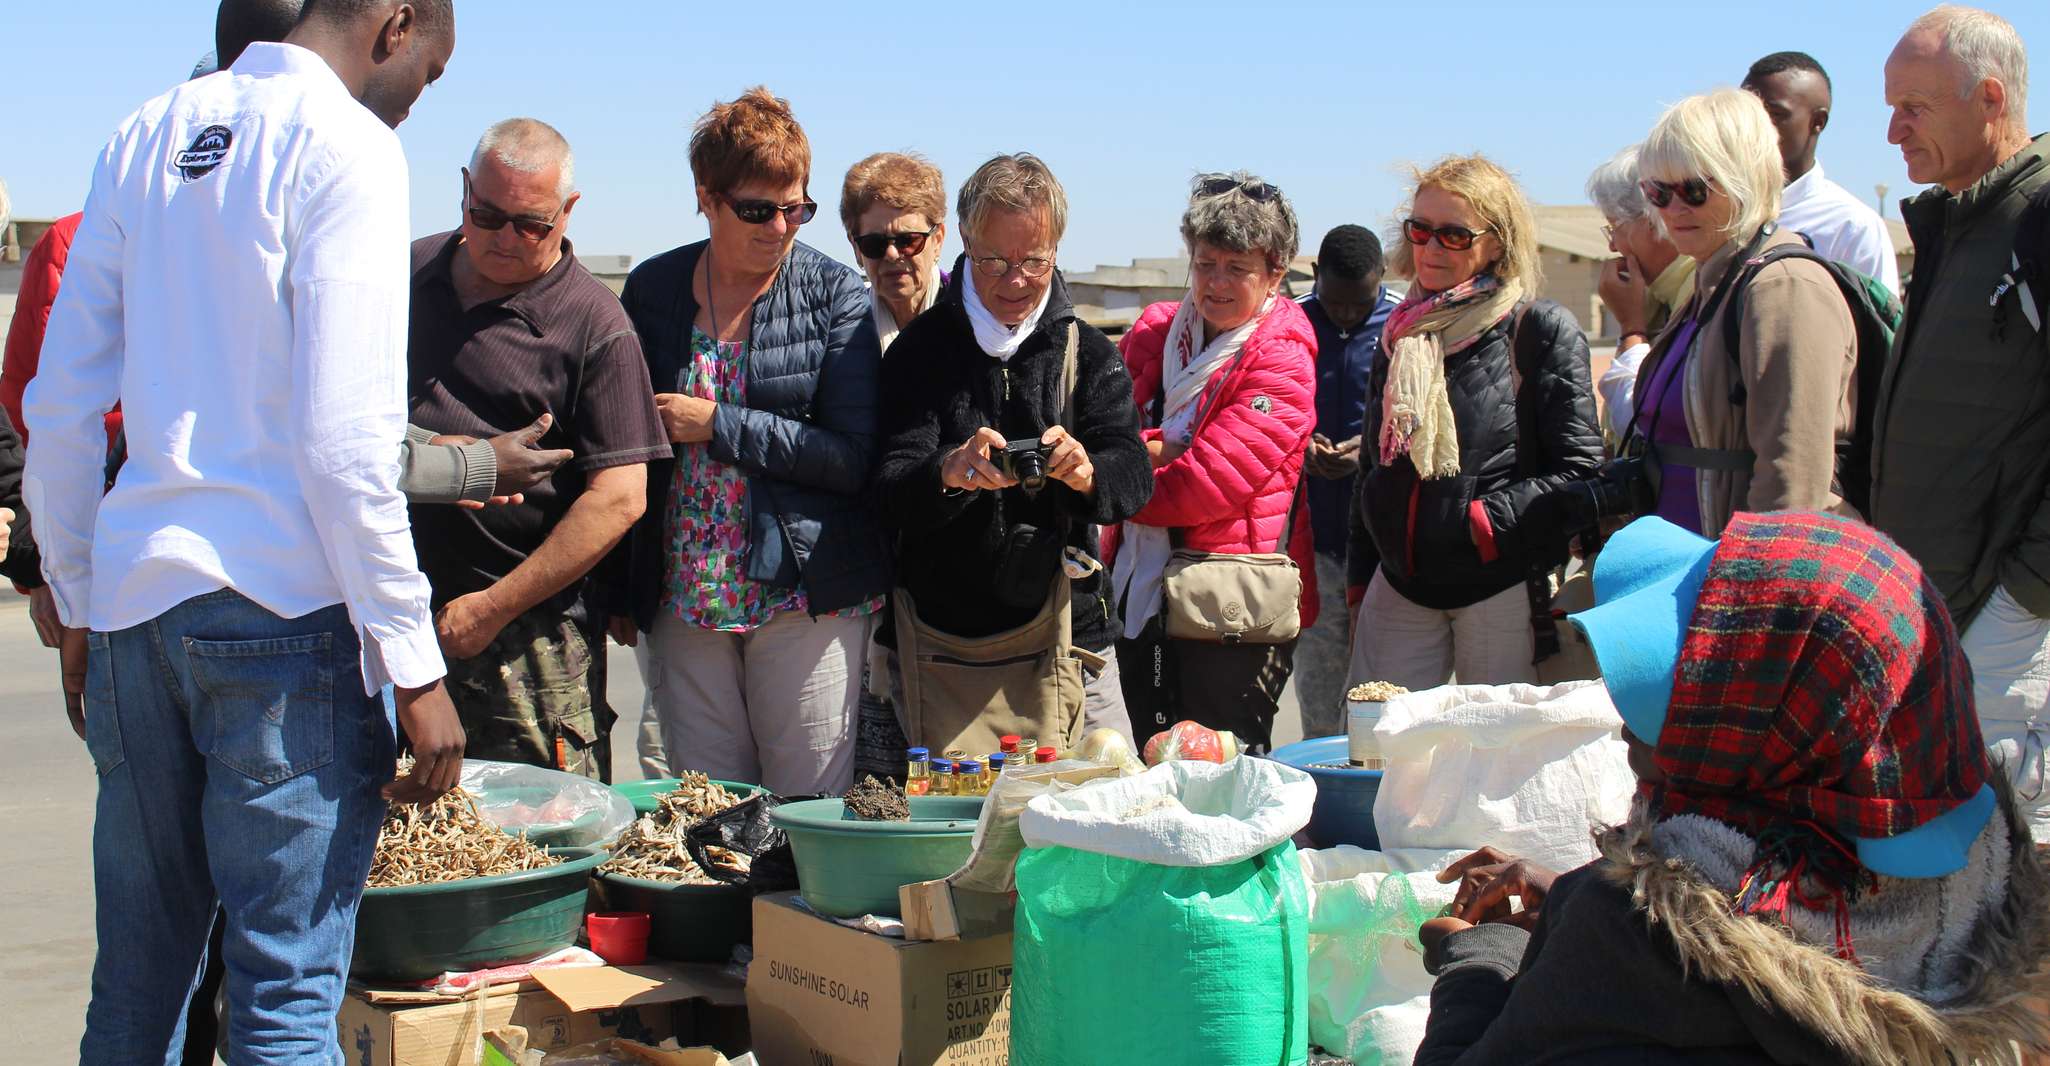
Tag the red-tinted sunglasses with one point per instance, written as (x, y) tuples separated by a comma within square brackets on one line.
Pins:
[(1693, 192)]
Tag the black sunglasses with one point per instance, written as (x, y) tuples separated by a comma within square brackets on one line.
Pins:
[(759, 212), (1450, 238), (491, 219), (1693, 192), (1219, 184), (873, 245)]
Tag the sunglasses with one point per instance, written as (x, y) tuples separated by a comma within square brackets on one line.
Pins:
[(1450, 238), (873, 245), (1219, 184), (996, 266), (758, 212), (1693, 192), (491, 219)]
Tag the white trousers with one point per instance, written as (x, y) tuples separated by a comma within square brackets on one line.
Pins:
[(774, 706), (2009, 650), (654, 758), (1418, 647)]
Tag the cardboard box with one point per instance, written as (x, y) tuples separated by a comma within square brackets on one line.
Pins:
[(821, 994), (562, 1008)]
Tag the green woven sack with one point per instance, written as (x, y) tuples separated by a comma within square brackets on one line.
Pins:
[(1121, 961)]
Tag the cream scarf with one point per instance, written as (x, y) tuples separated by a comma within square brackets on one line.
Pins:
[(998, 341), (1416, 409)]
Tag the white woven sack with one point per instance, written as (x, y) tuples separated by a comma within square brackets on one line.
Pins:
[(1527, 769), (1178, 813)]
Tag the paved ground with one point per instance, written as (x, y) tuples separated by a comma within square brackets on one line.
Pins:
[(46, 797)]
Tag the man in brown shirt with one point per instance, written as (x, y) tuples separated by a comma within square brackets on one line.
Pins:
[(506, 323)]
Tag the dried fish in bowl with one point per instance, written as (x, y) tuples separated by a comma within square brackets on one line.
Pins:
[(652, 848), (447, 840)]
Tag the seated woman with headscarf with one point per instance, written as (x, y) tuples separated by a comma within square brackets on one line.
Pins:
[(1821, 867)]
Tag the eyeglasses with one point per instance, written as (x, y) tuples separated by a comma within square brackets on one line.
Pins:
[(996, 266), (758, 212), (1693, 192), (491, 219), (1450, 238), (1219, 184), (873, 245)]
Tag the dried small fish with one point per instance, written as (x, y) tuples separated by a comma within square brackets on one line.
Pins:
[(873, 801), (652, 848), (447, 840)]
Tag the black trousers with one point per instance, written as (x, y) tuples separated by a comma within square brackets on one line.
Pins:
[(1223, 686)]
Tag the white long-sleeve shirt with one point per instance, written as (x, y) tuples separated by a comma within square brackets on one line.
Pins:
[(1840, 226), (240, 285)]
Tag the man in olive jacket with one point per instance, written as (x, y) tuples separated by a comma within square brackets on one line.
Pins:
[(1961, 451)]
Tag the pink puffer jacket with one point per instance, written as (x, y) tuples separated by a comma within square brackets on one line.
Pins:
[(1231, 490)]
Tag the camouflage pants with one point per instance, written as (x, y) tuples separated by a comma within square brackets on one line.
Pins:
[(536, 695)]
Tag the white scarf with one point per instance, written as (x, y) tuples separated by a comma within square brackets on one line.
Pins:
[(887, 326), (998, 341), (1186, 367)]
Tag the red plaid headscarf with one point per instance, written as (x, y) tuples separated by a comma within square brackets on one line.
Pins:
[(1820, 683)]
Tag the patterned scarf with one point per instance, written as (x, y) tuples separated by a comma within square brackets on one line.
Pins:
[(1820, 695), (1422, 331)]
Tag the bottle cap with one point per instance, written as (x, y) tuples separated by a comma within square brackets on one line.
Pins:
[(1009, 742), (942, 766), (967, 766), (996, 759), (917, 755), (1044, 754)]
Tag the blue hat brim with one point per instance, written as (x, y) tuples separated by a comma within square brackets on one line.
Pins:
[(1936, 848), (1646, 582)]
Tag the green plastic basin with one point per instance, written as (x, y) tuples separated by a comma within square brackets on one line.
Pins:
[(646, 795), (691, 923), (419, 931), (847, 868)]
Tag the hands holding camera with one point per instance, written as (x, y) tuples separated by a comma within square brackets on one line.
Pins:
[(988, 461)]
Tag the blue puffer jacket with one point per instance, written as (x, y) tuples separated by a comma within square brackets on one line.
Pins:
[(806, 438)]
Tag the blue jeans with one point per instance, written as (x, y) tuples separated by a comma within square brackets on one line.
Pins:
[(239, 762)]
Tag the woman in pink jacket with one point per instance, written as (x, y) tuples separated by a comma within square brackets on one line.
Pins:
[(1225, 382)]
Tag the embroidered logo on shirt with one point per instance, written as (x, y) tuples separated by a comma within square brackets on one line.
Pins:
[(206, 153), (1262, 404)]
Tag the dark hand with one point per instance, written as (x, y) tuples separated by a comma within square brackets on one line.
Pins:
[(431, 725), (624, 632), (1489, 880), (42, 610), (522, 464), (71, 653), (1437, 929), (1333, 462)]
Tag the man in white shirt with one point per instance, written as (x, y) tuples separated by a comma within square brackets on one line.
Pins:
[(1796, 93), (239, 283)]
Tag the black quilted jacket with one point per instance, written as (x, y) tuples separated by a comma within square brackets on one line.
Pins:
[(1425, 531), (806, 437)]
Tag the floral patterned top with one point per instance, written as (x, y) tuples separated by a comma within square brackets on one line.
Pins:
[(707, 583)]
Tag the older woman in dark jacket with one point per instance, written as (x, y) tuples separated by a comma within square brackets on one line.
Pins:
[(759, 566), (1479, 403), (965, 385)]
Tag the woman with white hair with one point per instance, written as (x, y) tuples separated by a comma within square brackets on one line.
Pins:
[(1755, 425), (1641, 287)]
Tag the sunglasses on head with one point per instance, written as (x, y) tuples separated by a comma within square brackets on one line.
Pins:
[(759, 212), (1693, 192), (873, 245), (491, 219), (1219, 184), (1450, 238)]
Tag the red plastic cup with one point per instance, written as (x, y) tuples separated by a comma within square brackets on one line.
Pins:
[(619, 937)]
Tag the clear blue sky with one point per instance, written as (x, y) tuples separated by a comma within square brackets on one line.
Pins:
[(1126, 100)]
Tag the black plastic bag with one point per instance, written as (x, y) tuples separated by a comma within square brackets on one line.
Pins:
[(746, 829)]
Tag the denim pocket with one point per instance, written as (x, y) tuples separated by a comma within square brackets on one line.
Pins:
[(102, 718), (272, 702)]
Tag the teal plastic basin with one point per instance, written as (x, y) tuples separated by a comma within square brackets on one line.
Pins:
[(647, 795), (847, 868), (415, 932)]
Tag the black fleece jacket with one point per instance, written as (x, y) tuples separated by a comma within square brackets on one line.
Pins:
[(938, 389), (1594, 985), (23, 564)]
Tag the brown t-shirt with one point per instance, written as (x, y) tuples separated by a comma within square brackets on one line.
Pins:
[(562, 345)]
